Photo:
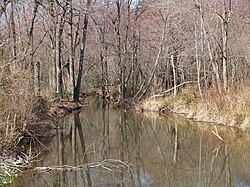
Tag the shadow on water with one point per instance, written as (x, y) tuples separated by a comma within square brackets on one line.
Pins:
[(164, 152)]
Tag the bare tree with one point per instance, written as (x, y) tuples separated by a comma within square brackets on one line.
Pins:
[(71, 80), (157, 60), (82, 53), (119, 51), (225, 18), (13, 33)]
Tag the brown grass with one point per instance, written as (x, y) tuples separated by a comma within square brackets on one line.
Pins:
[(19, 106), (231, 108)]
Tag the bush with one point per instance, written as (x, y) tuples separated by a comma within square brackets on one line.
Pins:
[(17, 101)]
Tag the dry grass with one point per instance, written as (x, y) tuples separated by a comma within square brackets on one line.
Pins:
[(232, 108), (151, 105), (19, 106), (234, 105)]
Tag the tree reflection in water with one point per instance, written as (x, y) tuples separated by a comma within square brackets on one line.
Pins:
[(164, 151), (105, 148)]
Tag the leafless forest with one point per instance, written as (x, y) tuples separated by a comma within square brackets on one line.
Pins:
[(122, 48)]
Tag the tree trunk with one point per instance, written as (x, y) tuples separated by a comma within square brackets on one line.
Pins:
[(224, 29), (119, 49), (35, 65), (104, 66), (71, 81), (58, 51), (174, 74), (3, 7), (135, 41), (203, 52), (233, 72), (58, 63), (13, 33), (198, 65), (156, 61), (52, 25), (82, 53), (37, 78), (211, 56), (101, 30)]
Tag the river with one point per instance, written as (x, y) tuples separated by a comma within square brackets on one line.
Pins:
[(112, 148)]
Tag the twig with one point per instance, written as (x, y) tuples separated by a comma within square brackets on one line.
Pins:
[(217, 134)]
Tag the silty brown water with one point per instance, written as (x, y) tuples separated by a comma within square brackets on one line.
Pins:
[(126, 148)]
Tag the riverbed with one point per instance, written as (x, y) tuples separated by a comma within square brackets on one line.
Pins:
[(103, 146)]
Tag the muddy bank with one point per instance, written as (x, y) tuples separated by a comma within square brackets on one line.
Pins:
[(63, 107)]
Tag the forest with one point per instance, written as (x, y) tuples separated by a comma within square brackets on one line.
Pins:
[(190, 57), (123, 49)]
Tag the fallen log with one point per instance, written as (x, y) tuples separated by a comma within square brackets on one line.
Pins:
[(108, 165)]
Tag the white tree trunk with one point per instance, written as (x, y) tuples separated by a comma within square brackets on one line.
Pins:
[(37, 77), (174, 74)]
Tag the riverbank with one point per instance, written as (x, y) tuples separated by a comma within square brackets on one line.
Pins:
[(148, 141), (42, 118), (188, 104), (23, 141), (230, 109)]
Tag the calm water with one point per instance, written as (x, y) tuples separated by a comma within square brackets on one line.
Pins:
[(146, 150)]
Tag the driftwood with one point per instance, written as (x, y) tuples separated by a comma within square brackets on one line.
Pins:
[(108, 165)]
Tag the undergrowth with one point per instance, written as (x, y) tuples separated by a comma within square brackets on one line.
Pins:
[(19, 107), (230, 107)]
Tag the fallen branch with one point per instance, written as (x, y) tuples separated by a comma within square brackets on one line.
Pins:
[(166, 91), (108, 164)]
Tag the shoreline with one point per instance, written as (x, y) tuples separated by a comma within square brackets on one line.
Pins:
[(199, 113), (55, 110), (21, 147)]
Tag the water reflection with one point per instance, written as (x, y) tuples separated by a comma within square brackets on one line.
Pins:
[(105, 148), (164, 151)]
